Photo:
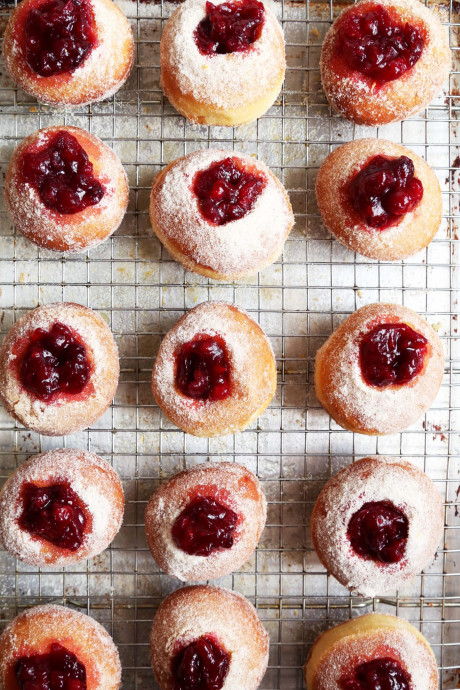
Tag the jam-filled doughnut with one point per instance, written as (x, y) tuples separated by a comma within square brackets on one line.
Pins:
[(376, 524), (65, 189), (380, 370), (68, 52), (379, 199), (215, 371), (59, 369), (384, 60), (372, 651), (221, 214), (205, 522), (60, 507), (55, 647), (209, 638), (222, 62)]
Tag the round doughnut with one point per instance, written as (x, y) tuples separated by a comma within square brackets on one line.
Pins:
[(206, 618), (377, 94), (347, 185), (376, 524), (47, 405), (205, 522), (223, 361), (36, 216), (215, 88), (84, 499), (202, 233), (103, 57), (380, 370)]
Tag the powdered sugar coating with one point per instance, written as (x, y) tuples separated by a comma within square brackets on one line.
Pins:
[(235, 249), (353, 403), (191, 612), (376, 479), (93, 480), (63, 415), (252, 371), (236, 488), (415, 229), (34, 630), (67, 232), (359, 98)]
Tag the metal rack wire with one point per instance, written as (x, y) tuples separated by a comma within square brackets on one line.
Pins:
[(295, 446)]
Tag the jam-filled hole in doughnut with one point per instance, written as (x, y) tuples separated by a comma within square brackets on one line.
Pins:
[(204, 526), (57, 669), (201, 665), (229, 28), (203, 369), (378, 674), (379, 531)]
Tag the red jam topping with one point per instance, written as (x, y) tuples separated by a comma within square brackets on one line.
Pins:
[(202, 665), (379, 531), (202, 369), (391, 353), (378, 674), (59, 35), (385, 190), (204, 526), (229, 28), (375, 45), (226, 192), (54, 362), (63, 175), (54, 513), (58, 669)]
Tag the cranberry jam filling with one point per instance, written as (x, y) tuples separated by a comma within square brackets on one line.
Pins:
[(379, 531), (54, 362), (385, 190), (62, 174), (202, 665), (58, 669), (229, 28), (58, 36), (378, 674), (203, 369), (391, 353), (204, 526), (375, 45)]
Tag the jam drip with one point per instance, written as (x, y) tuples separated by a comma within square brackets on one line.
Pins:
[(229, 28), (385, 190), (62, 174), (376, 46), (54, 362), (391, 353), (379, 531), (226, 192), (55, 514), (204, 526), (202, 665), (58, 36), (378, 674), (203, 370), (58, 669)]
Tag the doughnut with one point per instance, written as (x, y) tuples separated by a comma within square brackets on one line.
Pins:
[(60, 508), (220, 214), (386, 222), (222, 65), (205, 522), (384, 60), (372, 651), (215, 371), (68, 53), (56, 206), (59, 369), (210, 636), (54, 642), (376, 524), (380, 371)]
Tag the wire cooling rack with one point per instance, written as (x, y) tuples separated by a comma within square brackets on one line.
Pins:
[(294, 447)]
